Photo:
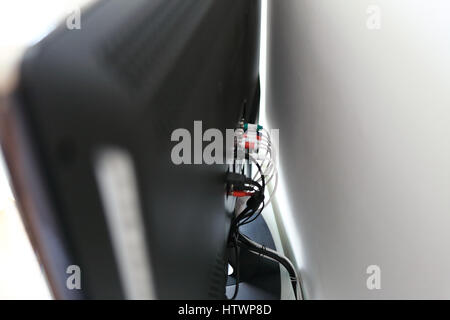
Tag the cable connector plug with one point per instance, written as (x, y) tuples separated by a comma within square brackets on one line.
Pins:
[(239, 182), (254, 127), (241, 194)]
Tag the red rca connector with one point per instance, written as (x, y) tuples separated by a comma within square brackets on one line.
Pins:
[(241, 194), (249, 145)]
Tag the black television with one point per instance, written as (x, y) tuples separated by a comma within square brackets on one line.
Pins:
[(116, 89)]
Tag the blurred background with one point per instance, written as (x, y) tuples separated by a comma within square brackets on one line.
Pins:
[(22, 23)]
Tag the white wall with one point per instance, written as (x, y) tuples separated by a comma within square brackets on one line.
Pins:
[(364, 118)]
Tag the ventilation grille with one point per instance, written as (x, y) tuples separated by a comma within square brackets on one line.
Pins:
[(142, 40)]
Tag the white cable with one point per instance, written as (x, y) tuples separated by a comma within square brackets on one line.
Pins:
[(274, 188)]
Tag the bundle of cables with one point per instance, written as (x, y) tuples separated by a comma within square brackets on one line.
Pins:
[(259, 151)]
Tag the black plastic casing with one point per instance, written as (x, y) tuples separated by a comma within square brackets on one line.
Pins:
[(133, 73)]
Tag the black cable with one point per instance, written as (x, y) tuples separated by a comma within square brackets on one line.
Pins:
[(263, 187), (263, 251), (250, 213), (263, 179), (247, 221), (235, 223), (236, 266)]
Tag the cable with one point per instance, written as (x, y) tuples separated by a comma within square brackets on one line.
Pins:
[(236, 267), (274, 187), (261, 200), (273, 255), (259, 151)]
